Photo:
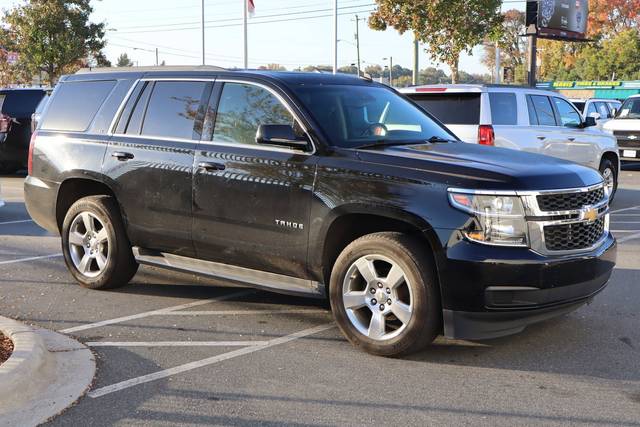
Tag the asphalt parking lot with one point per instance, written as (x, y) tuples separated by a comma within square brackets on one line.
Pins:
[(171, 350)]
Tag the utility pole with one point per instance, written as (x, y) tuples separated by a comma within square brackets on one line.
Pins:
[(498, 65), (202, 29), (157, 62), (532, 33), (416, 61), (358, 41), (335, 36)]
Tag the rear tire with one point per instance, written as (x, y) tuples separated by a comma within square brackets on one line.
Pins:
[(95, 245), (609, 173), (384, 294)]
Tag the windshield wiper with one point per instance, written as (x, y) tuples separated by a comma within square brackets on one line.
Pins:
[(384, 143)]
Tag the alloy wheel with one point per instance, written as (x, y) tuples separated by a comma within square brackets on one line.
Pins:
[(609, 180), (88, 244), (377, 297)]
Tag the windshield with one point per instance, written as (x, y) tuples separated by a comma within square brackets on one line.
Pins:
[(353, 115), (630, 109)]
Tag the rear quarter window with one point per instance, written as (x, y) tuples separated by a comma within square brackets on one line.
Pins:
[(504, 108), (451, 109), (75, 104)]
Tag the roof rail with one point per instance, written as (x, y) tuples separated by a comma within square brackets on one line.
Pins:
[(153, 68)]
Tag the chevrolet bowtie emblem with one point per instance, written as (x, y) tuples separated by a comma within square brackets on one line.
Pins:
[(632, 137), (590, 214)]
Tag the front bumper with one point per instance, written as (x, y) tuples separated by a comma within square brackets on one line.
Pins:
[(488, 292)]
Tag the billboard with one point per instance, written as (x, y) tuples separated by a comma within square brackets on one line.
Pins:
[(559, 19)]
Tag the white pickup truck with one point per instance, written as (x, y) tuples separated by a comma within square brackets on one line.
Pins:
[(522, 118), (626, 128)]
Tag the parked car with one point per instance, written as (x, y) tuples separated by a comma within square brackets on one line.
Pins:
[(320, 185), (16, 108), (602, 110), (520, 118), (626, 128)]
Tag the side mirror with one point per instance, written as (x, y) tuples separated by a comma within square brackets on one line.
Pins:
[(282, 135), (589, 122), (596, 116)]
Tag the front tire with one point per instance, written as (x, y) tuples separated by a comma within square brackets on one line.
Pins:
[(95, 245), (384, 294), (609, 173)]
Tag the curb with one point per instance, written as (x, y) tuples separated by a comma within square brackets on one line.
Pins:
[(46, 373), (29, 352)]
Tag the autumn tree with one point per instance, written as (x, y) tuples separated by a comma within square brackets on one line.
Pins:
[(612, 16), (447, 27), (511, 43), (55, 36), (124, 61)]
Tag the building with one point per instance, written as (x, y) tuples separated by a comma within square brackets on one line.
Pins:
[(594, 89)]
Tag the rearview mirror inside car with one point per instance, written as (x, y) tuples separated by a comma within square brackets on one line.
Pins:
[(282, 135)]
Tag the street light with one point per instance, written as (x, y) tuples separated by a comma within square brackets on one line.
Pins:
[(149, 50)]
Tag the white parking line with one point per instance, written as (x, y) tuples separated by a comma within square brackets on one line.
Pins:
[(177, 344), (153, 312), (240, 312), (205, 362), (630, 237), (33, 258), (625, 209), (16, 222), (625, 222)]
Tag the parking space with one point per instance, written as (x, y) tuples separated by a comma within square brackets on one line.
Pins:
[(175, 348)]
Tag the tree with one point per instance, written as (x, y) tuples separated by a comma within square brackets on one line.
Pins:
[(619, 55), (511, 43), (272, 67), (612, 16), (53, 35), (432, 75), (124, 61), (449, 27)]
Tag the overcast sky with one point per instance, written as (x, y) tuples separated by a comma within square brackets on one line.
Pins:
[(291, 41)]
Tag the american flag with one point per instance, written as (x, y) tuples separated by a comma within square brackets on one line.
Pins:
[(251, 7)]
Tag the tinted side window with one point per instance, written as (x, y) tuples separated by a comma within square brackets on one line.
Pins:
[(451, 109), (173, 109), (504, 108), (21, 103), (542, 109), (243, 108), (75, 104), (135, 122), (568, 115)]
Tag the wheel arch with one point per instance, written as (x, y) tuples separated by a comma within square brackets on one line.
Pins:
[(613, 157), (349, 223), (73, 189)]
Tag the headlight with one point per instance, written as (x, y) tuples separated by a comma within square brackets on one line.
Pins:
[(498, 219)]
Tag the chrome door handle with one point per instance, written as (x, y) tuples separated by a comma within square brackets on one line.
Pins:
[(122, 156), (211, 166)]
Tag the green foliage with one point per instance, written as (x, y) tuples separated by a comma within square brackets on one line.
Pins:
[(512, 45), (448, 27), (55, 36), (124, 61)]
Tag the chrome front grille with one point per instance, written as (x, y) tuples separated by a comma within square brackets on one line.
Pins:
[(571, 237), (570, 201), (567, 221)]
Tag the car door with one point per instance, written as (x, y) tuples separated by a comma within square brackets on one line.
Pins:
[(150, 159), (251, 202), (580, 144), (544, 136)]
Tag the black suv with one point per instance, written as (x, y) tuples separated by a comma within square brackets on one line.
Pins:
[(319, 185), (16, 108)]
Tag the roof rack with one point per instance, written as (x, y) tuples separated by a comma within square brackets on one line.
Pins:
[(153, 68)]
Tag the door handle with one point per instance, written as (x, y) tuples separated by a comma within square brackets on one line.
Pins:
[(122, 156), (542, 138), (571, 139), (211, 166)]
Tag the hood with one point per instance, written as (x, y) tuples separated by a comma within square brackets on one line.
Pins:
[(480, 167), (623, 124)]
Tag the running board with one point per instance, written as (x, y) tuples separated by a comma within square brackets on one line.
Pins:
[(256, 278)]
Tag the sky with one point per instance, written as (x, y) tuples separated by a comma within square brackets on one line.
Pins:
[(138, 27)]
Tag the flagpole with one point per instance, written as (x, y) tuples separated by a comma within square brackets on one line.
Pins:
[(246, 41), (335, 36)]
